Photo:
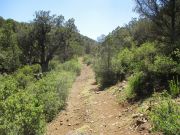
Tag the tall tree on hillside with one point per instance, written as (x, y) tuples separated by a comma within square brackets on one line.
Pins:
[(65, 35), (140, 30), (70, 34), (27, 43), (43, 23), (10, 52), (52, 34), (165, 14)]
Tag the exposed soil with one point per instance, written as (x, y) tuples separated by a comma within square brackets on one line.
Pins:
[(91, 111)]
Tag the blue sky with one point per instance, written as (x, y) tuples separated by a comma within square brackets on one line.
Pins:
[(92, 17)]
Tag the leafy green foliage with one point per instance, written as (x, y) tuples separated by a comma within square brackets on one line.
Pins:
[(72, 66), (40, 41), (125, 63), (164, 15), (104, 75), (8, 86), (27, 103), (164, 65), (165, 116), (10, 52), (52, 91), (155, 68), (146, 51), (22, 115), (87, 59), (121, 63), (53, 65), (174, 87), (26, 75), (134, 85), (143, 57)]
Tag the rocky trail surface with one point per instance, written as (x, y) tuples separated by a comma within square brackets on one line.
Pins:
[(91, 111)]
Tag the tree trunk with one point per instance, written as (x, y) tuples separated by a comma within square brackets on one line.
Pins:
[(44, 66), (44, 63)]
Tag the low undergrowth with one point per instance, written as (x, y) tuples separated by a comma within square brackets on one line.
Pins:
[(27, 102), (165, 114)]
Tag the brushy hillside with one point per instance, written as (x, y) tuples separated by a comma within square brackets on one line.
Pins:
[(27, 103), (145, 53)]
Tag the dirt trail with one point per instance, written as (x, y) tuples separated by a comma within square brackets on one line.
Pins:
[(91, 112)]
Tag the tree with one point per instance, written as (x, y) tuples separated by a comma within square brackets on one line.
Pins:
[(42, 25), (140, 30), (39, 41), (27, 43), (70, 34), (10, 52), (165, 15), (53, 35)]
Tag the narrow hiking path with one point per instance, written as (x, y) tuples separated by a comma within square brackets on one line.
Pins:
[(92, 112)]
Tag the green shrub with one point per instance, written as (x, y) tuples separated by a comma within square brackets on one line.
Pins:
[(178, 69), (134, 85), (174, 87), (24, 80), (143, 57), (29, 70), (22, 115), (164, 65), (104, 75), (53, 65), (165, 116), (72, 65), (27, 103), (125, 63), (52, 91), (145, 50), (87, 59), (121, 63), (65, 81), (26, 75), (8, 86), (36, 68)]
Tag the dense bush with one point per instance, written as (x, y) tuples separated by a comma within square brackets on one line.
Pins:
[(26, 103), (165, 115), (164, 65), (135, 59), (52, 91), (87, 59), (21, 114), (122, 63), (174, 87), (155, 68), (105, 76), (128, 61), (144, 57), (134, 85), (26, 75), (29, 70), (72, 65), (53, 64), (10, 51)]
